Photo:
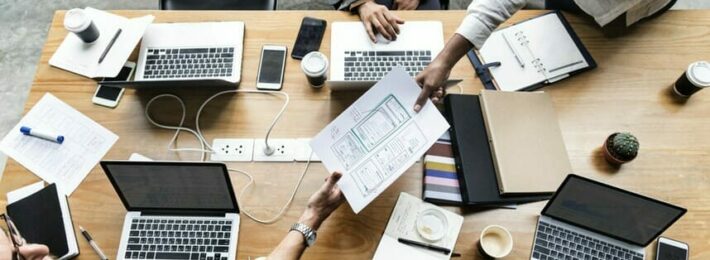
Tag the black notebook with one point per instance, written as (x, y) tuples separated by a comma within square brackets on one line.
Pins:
[(44, 218), (530, 54), (472, 153)]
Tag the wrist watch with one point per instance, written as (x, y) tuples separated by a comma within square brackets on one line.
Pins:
[(308, 233)]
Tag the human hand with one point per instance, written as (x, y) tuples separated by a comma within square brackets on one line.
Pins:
[(28, 251), (432, 80), (323, 202), (377, 16), (406, 4)]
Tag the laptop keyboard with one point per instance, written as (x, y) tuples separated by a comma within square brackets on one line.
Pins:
[(188, 63), (373, 65), (554, 242), (175, 238)]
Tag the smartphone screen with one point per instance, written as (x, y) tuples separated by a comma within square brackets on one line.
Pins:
[(112, 93), (670, 252), (271, 66), (309, 37)]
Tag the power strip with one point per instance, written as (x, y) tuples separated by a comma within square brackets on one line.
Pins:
[(245, 150)]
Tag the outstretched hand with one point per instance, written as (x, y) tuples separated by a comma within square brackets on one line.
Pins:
[(323, 202)]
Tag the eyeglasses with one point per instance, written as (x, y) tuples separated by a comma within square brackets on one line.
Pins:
[(17, 239)]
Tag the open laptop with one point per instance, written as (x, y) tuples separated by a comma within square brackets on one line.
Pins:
[(357, 63), (586, 219), (196, 55), (176, 210)]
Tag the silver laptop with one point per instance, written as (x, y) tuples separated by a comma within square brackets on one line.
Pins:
[(191, 51), (586, 219), (176, 210), (357, 63)]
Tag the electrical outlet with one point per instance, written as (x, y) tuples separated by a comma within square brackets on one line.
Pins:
[(303, 150), (284, 150), (232, 150)]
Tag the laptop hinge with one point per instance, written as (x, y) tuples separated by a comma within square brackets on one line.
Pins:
[(182, 213)]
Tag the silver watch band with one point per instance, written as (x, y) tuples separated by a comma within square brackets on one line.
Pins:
[(308, 233)]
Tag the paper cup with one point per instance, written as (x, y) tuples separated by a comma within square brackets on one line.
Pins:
[(695, 78), (315, 66), (495, 242), (78, 22)]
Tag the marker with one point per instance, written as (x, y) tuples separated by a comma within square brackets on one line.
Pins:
[(26, 130), (439, 249), (93, 244)]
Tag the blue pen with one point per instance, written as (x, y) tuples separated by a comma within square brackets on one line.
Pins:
[(42, 134)]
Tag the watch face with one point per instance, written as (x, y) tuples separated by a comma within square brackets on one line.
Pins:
[(311, 239)]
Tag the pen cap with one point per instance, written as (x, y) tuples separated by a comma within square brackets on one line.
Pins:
[(25, 130)]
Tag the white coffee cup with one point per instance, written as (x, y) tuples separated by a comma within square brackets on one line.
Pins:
[(78, 22), (495, 242), (315, 66)]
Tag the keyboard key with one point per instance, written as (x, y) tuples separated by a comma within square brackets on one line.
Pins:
[(162, 255)]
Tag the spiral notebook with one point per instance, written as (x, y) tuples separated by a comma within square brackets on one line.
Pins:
[(531, 54)]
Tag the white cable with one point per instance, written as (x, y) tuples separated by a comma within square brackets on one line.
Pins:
[(203, 143), (285, 206)]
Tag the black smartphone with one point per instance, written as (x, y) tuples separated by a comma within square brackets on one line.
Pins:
[(309, 37)]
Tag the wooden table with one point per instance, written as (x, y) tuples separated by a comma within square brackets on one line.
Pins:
[(629, 91)]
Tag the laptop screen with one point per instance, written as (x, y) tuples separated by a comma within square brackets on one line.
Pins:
[(611, 211), (175, 186)]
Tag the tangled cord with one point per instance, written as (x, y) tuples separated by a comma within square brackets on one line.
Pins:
[(172, 145)]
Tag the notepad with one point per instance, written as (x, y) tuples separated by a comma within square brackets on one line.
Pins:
[(43, 217), (81, 58), (534, 52), (403, 224)]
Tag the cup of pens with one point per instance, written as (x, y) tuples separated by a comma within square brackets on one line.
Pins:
[(78, 22)]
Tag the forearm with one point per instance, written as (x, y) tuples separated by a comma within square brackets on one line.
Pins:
[(291, 247), (484, 16), (454, 50)]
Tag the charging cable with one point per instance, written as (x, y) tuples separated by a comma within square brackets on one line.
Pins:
[(206, 148)]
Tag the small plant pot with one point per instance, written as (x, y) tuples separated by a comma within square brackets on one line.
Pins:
[(610, 156)]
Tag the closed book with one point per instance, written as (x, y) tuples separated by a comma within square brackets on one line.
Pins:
[(474, 162), (43, 218), (528, 151), (441, 182)]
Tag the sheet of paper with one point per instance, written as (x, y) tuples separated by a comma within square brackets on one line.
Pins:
[(23, 192), (402, 224), (378, 138), (76, 56), (66, 164)]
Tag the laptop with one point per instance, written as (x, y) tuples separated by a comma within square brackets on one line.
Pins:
[(176, 210), (586, 219), (189, 55), (357, 63)]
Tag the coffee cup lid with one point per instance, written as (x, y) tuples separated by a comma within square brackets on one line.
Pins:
[(699, 73), (314, 63), (76, 20)]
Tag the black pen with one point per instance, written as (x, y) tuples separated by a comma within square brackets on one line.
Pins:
[(110, 44), (405, 241)]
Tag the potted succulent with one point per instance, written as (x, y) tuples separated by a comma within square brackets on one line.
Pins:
[(620, 148)]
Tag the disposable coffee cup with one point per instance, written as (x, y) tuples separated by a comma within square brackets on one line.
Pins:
[(495, 242), (694, 79), (78, 22), (315, 66)]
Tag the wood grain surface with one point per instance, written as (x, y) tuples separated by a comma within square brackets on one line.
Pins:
[(629, 91)]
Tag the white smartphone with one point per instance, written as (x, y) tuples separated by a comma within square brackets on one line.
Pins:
[(109, 96), (271, 67), (669, 249)]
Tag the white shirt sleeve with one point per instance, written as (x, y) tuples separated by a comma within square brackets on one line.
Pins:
[(484, 16)]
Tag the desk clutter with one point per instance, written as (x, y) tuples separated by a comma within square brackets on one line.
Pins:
[(495, 150)]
